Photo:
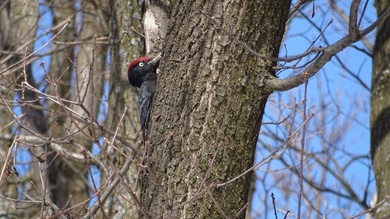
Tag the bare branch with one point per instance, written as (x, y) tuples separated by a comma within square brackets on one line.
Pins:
[(297, 6), (276, 84), (108, 190), (353, 14)]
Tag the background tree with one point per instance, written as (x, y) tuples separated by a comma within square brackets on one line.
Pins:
[(17, 32), (72, 92), (380, 111)]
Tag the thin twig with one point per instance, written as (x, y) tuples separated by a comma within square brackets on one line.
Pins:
[(39, 49), (302, 154), (266, 159), (274, 205)]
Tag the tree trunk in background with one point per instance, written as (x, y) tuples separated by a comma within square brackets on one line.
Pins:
[(77, 73), (208, 107), (380, 110), (87, 61), (67, 184), (67, 180), (19, 22), (123, 100), (8, 182)]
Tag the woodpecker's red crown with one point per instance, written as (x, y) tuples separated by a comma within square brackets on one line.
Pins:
[(136, 61), (142, 69)]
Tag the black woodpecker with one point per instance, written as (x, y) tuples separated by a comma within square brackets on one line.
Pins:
[(142, 73)]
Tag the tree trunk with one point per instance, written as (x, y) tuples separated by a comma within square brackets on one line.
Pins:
[(208, 107), (18, 25), (380, 110), (127, 45), (62, 192), (68, 179)]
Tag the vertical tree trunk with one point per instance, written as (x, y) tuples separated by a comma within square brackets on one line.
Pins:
[(8, 182), (61, 71), (18, 25), (208, 107), (68, 179), (125, 26), (380, 110), (127, 46)]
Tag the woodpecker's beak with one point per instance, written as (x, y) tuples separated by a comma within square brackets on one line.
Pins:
[(156, 61)]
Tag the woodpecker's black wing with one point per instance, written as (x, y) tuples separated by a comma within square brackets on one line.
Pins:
[(145, 101)]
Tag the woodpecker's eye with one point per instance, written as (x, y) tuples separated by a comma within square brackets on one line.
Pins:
[(141, 64)]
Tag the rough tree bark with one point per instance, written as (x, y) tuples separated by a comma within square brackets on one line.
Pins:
[(155, 23), (380, 110), (208, 107)]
